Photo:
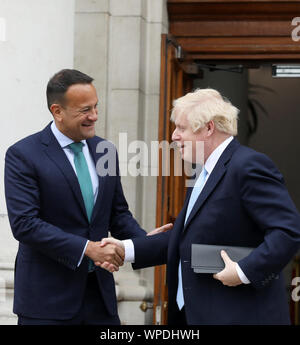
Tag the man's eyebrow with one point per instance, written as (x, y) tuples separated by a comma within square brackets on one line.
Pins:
[(88, 106)]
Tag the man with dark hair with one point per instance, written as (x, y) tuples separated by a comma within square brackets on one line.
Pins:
[(59, 209), (61, 81)]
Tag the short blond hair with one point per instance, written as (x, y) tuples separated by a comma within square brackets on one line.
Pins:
[(204, 105)]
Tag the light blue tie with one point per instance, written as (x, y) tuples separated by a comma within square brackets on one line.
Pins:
[(85, 182), (194, 196)]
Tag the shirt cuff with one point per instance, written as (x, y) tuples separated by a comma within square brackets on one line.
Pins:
[(82, 255), (129, 251), (241, 275)]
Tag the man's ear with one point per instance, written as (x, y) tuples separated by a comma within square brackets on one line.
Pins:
[(210, 126), (56, 110)]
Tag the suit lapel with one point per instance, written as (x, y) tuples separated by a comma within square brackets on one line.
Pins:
[(213, 180), (57, 155)]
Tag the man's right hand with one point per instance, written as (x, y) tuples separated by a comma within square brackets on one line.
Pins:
[(108, 265), (111, 253)]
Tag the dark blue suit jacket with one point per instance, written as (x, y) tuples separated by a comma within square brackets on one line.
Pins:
[(244, 203), (48, 218)]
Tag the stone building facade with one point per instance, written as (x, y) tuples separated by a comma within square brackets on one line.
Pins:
[(116, 42)]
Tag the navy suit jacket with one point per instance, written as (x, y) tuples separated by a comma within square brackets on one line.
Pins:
[(243, 203), (47, 216)]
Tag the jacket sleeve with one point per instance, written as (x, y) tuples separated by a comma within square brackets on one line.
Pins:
[(151, 250), (23, 205), (267, 201)]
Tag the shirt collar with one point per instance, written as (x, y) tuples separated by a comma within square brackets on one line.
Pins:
[(62, 139), (215, 155)]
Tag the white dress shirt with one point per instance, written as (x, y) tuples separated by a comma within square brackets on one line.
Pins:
[(209, 166), (64, 141)]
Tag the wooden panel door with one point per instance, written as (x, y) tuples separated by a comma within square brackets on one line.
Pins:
[(170, 189)]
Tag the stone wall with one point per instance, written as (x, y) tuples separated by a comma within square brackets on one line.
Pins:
[(39, 41), (116, 42)]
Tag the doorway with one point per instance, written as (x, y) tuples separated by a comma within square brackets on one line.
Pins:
[(269, 118)]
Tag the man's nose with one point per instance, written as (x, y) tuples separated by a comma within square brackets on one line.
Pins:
[(175, 136), (93, 116)]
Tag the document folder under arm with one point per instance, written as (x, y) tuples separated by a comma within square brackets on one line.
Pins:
[(207, 258)]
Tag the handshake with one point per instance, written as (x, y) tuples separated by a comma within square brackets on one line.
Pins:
[(109, 253)]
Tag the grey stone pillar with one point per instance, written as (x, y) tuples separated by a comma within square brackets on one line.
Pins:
[(118, 43)]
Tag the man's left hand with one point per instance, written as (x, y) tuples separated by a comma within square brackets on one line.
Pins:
[(228, 276), (163, 228)]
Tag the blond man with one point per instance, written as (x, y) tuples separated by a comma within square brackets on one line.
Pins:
[(239, 199)]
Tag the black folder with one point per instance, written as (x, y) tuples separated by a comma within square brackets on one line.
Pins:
[(207, 258)]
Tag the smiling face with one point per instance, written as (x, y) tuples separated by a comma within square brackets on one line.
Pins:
[(76, 117)]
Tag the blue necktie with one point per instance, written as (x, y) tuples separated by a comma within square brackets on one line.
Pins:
[(194, 196), (85, 182)]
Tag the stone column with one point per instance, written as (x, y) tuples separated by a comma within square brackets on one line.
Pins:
[(118, 43)]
